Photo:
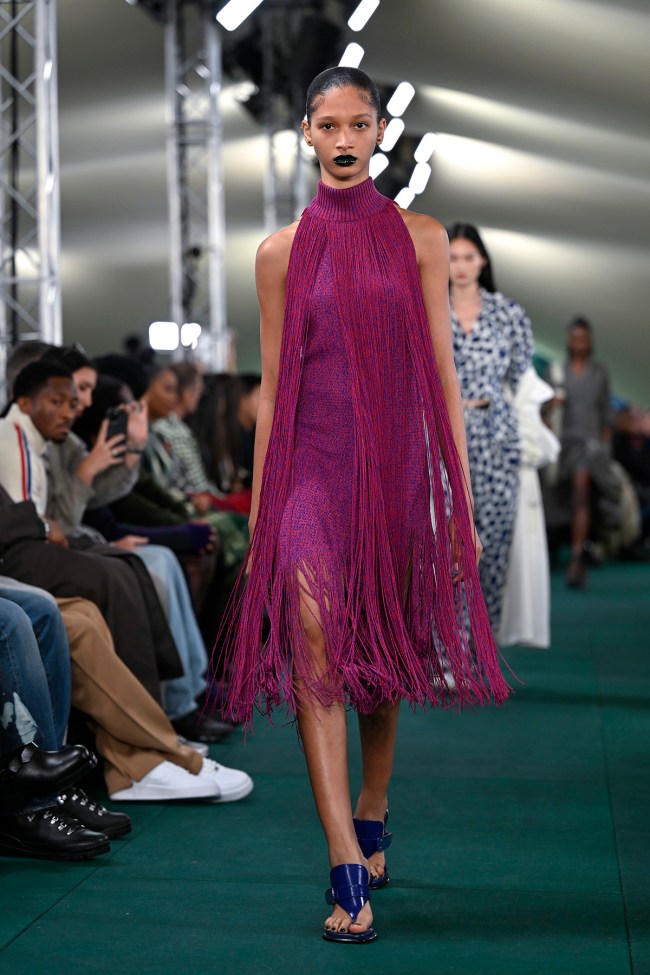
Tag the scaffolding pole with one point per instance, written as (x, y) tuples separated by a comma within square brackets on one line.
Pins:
[(30, 237), (195, 176)]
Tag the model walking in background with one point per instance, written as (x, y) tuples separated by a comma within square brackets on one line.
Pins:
[(359, 437), (493, 347)]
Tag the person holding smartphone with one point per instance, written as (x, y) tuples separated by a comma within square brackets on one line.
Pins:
[(82, 478)]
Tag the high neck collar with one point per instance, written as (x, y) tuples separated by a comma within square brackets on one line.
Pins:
[(35, 439), (351, 203)]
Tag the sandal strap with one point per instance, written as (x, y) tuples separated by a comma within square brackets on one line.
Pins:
[(350, 888), (372, 835)]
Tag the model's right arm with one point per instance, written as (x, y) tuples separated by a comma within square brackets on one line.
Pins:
[(271, 267)]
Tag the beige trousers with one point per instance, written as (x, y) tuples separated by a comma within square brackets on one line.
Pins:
[(132, 731)]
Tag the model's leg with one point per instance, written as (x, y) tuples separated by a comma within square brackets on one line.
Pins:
[(580, 520), (324, 736), (378, 732)]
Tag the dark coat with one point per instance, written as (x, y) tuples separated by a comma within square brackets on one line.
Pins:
[(117, 582)]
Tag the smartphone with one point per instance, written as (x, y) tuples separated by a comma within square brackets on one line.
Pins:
[(118, 419)]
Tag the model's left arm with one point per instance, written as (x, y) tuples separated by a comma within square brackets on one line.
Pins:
[(521, 345)]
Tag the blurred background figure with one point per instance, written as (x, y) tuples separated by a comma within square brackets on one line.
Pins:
[(493, 347), (581, 413), (526, 616), (224, 425)]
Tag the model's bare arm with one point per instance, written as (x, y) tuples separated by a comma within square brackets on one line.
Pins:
[(432, 250), (270, 278)]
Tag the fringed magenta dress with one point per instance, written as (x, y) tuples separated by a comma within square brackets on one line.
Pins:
[(362, 490)]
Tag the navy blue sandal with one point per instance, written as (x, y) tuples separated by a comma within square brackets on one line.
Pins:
[(373, 837), (351, 891)]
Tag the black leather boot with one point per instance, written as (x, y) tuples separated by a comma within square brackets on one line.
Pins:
[(49, 834), (75, 802), (32, 772)]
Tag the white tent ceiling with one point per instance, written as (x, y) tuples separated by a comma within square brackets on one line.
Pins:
[(542, 110)]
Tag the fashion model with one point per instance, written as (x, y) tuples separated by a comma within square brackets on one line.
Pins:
[(362, 587), (493, 347)]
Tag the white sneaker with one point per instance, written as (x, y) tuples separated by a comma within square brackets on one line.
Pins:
[(232, 784), (168, 782), (198, 746)]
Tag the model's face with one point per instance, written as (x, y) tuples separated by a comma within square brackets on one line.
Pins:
[(579, 343), (465, 263), (162, 395), (53, 409), (85, 380), (344, 132)]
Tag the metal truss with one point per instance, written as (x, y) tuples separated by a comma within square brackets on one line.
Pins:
[(195, 176), (30, 248)]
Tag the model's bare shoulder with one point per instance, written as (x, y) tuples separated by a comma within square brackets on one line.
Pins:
[(428, 235), (273, 253)]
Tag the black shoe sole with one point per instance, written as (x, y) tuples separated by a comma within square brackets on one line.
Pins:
[(113, 832), (38, 854)]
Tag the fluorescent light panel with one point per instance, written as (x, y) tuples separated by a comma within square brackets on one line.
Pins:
[(235, 13), (163, 336), (393, 131), (405, 197), (352, 56), (362, 14), (400, 98), (425, 148), (378, 164), (420, 177)]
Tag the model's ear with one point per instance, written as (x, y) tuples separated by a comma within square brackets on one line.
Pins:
[(381, 128), (306, 128)]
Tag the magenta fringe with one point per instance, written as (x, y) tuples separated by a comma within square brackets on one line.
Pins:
[(395, 622)]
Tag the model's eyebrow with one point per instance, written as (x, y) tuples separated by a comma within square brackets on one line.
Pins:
[(331, 118)]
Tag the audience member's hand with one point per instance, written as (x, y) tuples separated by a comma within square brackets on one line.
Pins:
[(129, 542), (105, 454), (202, 502), (138, 426), (56, 534), (212, 539)]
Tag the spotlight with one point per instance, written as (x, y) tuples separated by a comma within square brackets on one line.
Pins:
[(163, 336), (362, 14), (235, 13)]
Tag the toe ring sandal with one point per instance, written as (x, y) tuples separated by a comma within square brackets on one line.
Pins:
[(351, 891), (373, 837)]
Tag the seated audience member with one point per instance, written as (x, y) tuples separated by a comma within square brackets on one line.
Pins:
[(159, 461), (35, 702), (178, 439), (224, 426), (43, 410), (144, 759), (181, 693), (80, 478)]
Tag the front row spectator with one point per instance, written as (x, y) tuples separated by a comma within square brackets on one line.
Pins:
[(35, 698), (144, 759), (45, 406)]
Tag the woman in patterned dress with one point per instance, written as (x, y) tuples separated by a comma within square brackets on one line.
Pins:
[(493, 347)]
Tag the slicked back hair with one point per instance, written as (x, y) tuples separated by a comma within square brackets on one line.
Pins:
[(333, 78)]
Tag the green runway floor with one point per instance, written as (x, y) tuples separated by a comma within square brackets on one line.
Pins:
[(522, 838)]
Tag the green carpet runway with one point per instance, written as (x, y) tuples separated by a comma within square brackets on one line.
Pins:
[(522, 839)]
